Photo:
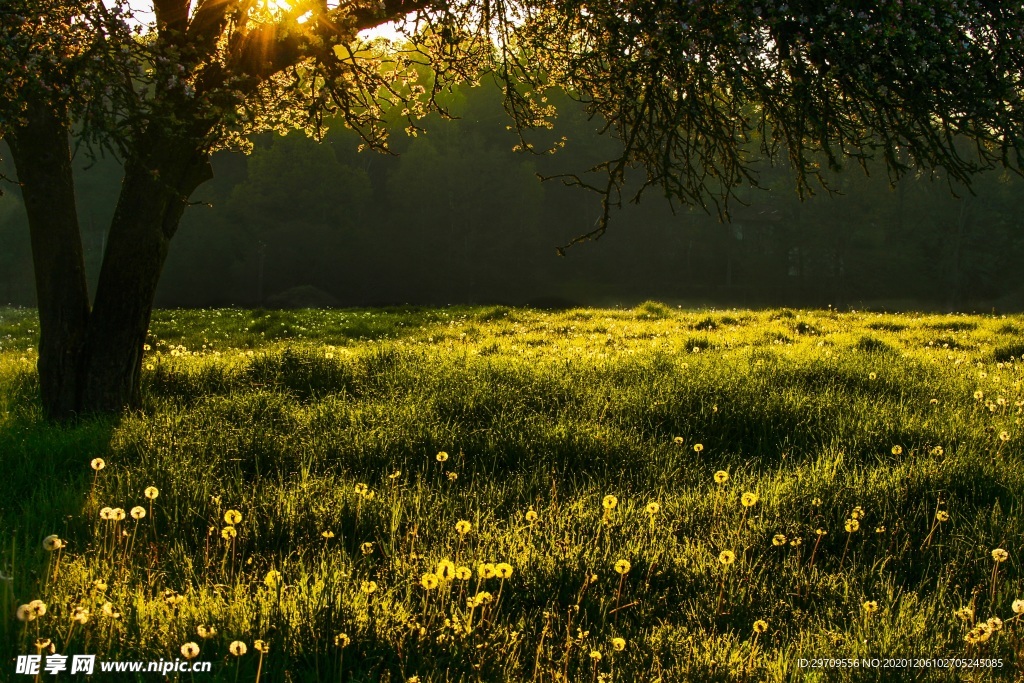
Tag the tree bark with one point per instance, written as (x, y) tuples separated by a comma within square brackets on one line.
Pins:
[(42, 157), (153, 197)]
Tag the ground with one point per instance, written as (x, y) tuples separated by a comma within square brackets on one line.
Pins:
[(492, 494)]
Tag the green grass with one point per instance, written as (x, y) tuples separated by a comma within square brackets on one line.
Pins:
[(282, 415)]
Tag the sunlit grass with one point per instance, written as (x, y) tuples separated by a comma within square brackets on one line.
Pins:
[(506, 495)]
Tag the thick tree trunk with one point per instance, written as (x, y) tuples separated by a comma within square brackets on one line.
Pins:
[(42, 157), (153, 197)]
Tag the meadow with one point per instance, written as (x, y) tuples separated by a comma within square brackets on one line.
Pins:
[(496, 494)]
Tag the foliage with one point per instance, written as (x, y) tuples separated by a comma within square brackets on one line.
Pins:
[(324, 431)]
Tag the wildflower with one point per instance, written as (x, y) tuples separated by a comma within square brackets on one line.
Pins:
[(595, 655), (24, 613), (873, 375), (481, 598), (361, 489), (237, 648), (796, 542), (678, 441), (816, 502), (779, 539), (261, 646), (870, 606), (934, 401), (623, 566), (727, 557), (618, 644), (609, 502), (979, 394), (453, 476), (232, 517), (463, 573), (99, 585), (897, 450), (429, 581), (52, 542), (485, 570), (80, 615), (272, 579), (42, 643), (748, 499), (1004, 435), (369, 587), (445, 570), (151, 492), (941, 516), (531, 516), (97, 464), (228, 532), (964, 613), (117, 514), (653, 508), (721, 476), (395, 475), (938, 450), (463, 527), (1000, 555), (109, 611), (760, 626), (820, 531), (880, 529), (137, 512), (342, 640), (995, 623), (327, 534), (442, 456), (698, 447), (1018, 606), (503, 570), (204, 631), (858, 512), (852, 525), (366, 548), (105, 513)]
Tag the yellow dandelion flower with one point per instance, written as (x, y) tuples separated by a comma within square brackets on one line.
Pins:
[(42, 643), (721, 476), (366, 548), (228, 532), (189, 650), (934, 401), (237, 648), (653, 508), (52, 542), (442, 456), (117, 514), (369, 587), (463, 573), (1004, 435), (678, 441), (99, 585), (105, 513), (463, 527), (395, 475), (109, 611), (964, 613), (137, 512), (852, 525), (779, 539), (820, 531), (445, 570), (748, 499), (97, 464), (232, 517), (595, 655), (1000, 555), (327, 534), (503, 570), (609, 502), (1018, 606), (618, 644), (880, 529), (796, 542), (531, 516), (81, 615), (485, 570), (342, 640), (941, 516), (979, 394), (204, 631), (482, 598), (623, 566), (361, 489), (995, 623), (760, 626), (151, 492), (873, 375), (272, 579), (870, 606), (698, 447), (261, 646), (897, 450), (858, 512), (429, 581), (727, 557), (453, 476)]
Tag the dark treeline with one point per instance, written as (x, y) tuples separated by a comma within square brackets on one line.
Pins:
[(457, 217)]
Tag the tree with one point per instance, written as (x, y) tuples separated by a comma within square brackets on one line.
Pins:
[(686, 87)]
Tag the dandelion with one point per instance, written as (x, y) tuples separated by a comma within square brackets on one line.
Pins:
[(779, 539), (618, 644), (858, 512), (481, 598), (727, 557), (228, 532), (609, 502), (366, 548), (897, 450), (361, 489), (870, 606), (453, 476), (698, 447), (442, 456), (678, 441), (24, 613), (395, 475), (151, 492), (995, 623), (941, 516), (463, 573), (880, 529), (108, 611), (748, 499), (796, 542), (342, 640), (327, 534), (934, 401), (52, 542), (531, 516), (204, 631), (595, 656), (816, 502), (979, 394), (623, 566), (873, 375), (503, 570), (105, 513), (1018, 606), (97, 464), (81, 615), (189, 650), (463, 527), (99, 585), (965, 614), (760, 626), (232, 517), (486, 570), (1004, 436), (237, 648), (1000, 555), (137, 512), (429, 581), (272, 579), (852, 525), (721, 476), (653, 508), (369, 587), (445, 570), (261, 646), (117, 514)]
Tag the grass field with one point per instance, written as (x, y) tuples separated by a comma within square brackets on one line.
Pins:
[(490, 494)]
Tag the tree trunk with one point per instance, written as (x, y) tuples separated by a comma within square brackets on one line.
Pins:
[(42, 157), (153, 197)]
